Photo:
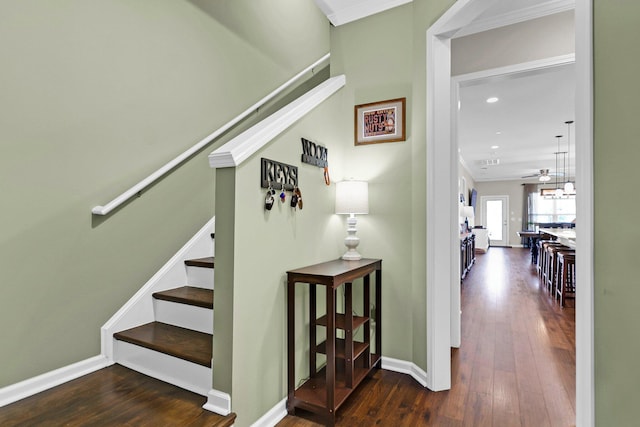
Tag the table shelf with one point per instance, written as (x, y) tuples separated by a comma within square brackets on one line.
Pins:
[(341, 319), (358, 348), (348, 361), (312, 394)]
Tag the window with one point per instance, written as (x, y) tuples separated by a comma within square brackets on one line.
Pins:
[(551, 209)]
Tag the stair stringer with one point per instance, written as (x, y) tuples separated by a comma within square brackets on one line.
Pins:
[(140, 308)]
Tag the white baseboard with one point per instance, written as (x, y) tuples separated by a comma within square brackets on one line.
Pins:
[(31, 386), (279, 411), (274, 416), (218, 402), (405, 367)]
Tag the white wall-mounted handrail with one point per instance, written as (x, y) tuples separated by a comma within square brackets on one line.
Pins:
[(104, 210), (248, 142)]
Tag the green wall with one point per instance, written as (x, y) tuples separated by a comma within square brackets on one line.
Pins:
[(394, 229), (616, 151), (364, 56), (384, 65), (265, 245), (95, 96)]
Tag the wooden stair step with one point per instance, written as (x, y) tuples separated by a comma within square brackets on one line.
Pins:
[(207, 262), (185, 344), (189, 295)]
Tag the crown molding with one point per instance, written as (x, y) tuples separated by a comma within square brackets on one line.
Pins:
[(356, 9)]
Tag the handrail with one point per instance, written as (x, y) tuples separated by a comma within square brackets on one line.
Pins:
[(235, 151), (113, 204)]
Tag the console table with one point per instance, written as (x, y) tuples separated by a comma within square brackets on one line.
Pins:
[(348, 360)]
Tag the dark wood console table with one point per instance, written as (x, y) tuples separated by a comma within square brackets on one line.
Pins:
[(348, 360)]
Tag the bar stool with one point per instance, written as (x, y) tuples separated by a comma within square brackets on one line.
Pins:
[(566, 281), (550, 273), (544, 263), (540, 245)]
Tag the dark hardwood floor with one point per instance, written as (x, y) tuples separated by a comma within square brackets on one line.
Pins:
[(113, 396), (516, 365)]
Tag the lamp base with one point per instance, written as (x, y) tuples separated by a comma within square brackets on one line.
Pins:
[(351, 255), (351, 241)]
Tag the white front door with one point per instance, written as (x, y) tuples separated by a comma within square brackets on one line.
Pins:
[(495, 214)]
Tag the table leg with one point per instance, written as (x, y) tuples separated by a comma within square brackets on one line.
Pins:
[(291, 291), (331, 349)]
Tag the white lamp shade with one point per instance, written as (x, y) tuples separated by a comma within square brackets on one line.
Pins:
[(352, 197), (467, 212)]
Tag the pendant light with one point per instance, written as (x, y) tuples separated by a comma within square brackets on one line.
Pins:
[(568, 186), (559, 192)]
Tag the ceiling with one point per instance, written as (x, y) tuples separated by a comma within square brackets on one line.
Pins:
[(520, 129), (532, 108)]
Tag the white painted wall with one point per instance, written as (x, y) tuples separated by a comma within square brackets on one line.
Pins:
[(541, 38)]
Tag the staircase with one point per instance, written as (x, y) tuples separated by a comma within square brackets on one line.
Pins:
[(167, 332)]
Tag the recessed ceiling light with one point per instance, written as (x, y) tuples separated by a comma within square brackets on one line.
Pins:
[(492, 100), (495, 147), (498, 133)]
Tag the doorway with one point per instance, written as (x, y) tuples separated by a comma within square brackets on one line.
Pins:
[(441, 167), (495, 215)]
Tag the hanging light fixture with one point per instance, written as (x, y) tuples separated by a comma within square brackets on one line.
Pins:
[(558, 192), (568, 186)]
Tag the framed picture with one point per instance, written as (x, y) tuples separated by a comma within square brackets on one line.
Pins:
[(382, 121)]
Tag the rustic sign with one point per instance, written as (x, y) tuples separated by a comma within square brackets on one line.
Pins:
[(314, 154)]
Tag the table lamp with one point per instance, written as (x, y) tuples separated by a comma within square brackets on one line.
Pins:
[(352, 198)]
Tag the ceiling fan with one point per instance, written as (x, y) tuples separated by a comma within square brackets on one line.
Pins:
[(544, 175)]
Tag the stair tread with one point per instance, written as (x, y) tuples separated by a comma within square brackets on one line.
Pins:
[(207, 262), (186, 344), (190, 295)]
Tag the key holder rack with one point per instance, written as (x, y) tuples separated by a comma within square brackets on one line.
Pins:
[(280, 176)]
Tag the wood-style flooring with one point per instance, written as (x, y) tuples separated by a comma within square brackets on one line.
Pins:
[(516, 365), (113, 396)]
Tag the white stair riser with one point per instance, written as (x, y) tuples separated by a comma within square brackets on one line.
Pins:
[(184, 374), (200, 277), (184, 315)]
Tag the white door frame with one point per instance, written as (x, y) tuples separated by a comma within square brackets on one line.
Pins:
[(505, 210), (441, 231)]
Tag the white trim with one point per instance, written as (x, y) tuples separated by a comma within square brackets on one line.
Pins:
[(279, 411), (585, 360), (405, 367), (452, 21), (273, 416), (357, 10), (530, 66), (442, 167), (516, 16), (104, 210), (248, 142), (218, 402), (173, 370), (139, 309), (31, 386)]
